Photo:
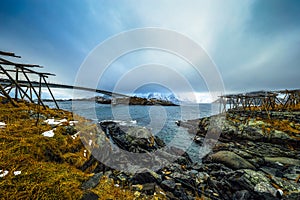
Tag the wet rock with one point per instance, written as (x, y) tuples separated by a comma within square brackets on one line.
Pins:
[(231, 160), (181, 194), (156, 176), (289, 186), (254, 177), (70, 130), (265, 189), (131, 138), (201, 177), (282, 160), (101, 168), (122, 179), (183, 157), (168, 185), (142, 178), (280, 135), (241, 195), (271, 171), (184, 180), (92, 182), (149, 188), (257, 162), (199, 140), (292, 173), (242, 153), (160, 143)]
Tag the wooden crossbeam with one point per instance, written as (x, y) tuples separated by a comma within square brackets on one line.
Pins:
[(4, 53)]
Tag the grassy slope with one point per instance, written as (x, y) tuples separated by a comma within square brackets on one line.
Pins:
[(49, 166)]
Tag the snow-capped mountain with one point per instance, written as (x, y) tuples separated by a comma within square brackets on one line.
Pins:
[(162, 96)]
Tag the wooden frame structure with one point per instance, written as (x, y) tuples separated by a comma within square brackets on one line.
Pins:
[(267, 100), (25, 89)]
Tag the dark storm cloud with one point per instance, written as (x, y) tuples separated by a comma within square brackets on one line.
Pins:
[(265, 52), (271, 17), (254, 43)]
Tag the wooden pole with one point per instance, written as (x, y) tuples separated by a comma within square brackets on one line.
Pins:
[(17, 78), (7, 96), (51, 93)]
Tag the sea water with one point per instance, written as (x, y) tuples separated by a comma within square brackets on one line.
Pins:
[(160, 119)]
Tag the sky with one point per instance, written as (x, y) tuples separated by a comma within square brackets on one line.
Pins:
[(254, 44)]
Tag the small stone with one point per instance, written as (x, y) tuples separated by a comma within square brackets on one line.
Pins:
[(137, 187), (137, 194), (216, 194), (279, 193), (92, 182), (167, 172)]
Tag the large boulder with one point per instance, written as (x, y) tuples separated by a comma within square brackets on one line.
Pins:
[(231, 160), (131, 138)]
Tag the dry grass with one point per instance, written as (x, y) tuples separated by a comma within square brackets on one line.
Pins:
[(49, 166)]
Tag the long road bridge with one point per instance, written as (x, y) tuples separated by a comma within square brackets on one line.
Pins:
[(27, 83)]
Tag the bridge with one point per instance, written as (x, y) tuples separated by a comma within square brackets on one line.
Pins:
[(27, 83)]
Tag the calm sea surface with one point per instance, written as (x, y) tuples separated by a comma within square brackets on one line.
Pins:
[(161, 119)]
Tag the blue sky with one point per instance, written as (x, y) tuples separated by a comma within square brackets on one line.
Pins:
[(254, 44)]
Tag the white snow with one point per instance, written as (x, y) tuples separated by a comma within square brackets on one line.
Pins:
[(4, 173), (72, 123), (16, 173), (2, 124), (48, 133), (63, 120), (75, 135), (54, 122)]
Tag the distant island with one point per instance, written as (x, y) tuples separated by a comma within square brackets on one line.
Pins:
[(134, 101), (123, 100)]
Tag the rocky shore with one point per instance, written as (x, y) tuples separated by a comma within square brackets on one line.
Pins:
[(257, 156)]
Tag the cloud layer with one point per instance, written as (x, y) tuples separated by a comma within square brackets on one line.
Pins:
[(254, 44)]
